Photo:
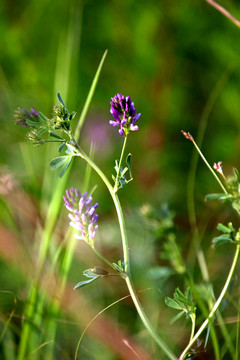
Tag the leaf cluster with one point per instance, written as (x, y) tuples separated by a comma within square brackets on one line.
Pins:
[(120, 176), (233, 191), (229, 235), (182, 302)]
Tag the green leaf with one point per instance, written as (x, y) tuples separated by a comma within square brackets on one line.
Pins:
[(207, 337), (65, 167), (224, 228), (89, 98), (85, 282), (188, 295), (172, 304), (57, 162), (42, 131), (220, 240), (56, 136), (220, 197), (33, 123), (177, 317), (236, 175), (128, 161), (61, 102), (72, 115), (43, 117), (61, 147), (69, 149), (97, 270)]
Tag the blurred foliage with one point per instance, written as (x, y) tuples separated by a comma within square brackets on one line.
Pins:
[(169, 57)]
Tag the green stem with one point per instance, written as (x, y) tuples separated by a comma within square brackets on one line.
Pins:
[(103, 258), (210, 168), (193, 318), (127, 278), (216, 305), (119, 165)]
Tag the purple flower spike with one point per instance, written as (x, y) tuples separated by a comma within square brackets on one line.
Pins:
[(124, 114), (82, 214), (21, 116)]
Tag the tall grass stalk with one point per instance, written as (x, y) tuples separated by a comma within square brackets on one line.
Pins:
[(33, 308)]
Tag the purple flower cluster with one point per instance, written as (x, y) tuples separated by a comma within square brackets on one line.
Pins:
[(22, 116), (82, 214), (124, 113)]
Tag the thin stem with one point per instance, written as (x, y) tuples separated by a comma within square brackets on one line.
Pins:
[(210, 168), (119, 165), (103, 258), (56, 141), (237, 336), (128, 280), (216, 305), (223, 11), (193, 318)]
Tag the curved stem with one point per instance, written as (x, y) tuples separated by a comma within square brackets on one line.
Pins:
[(146, 322), (127, 278), (216, 305)]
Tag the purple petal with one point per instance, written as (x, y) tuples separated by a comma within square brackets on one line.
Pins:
[(121, 131), (113, 123), (133, 127)]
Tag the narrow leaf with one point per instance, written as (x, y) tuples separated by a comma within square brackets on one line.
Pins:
[(172, 303), (59, 161), (65, 167), (61, 147), (33, 123), (72, 115), (128, 161), (85, 282), (224, 228), (220, 241), (56, 136), (69, 149), (177, 317), (42, 131), (89, 97), (207, 337), (221, 197), (43, 117), (61, 102)]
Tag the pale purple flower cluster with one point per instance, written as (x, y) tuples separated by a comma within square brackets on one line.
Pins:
[(22, 116), (82, 214), (124, 113)]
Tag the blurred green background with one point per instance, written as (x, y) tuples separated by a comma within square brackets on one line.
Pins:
[(179, 62)]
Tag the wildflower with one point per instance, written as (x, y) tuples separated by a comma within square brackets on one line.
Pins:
[(124, 113), (24, 117), (218, 167), (82, 214)]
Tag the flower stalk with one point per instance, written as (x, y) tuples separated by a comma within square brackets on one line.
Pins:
[(127, 274)]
